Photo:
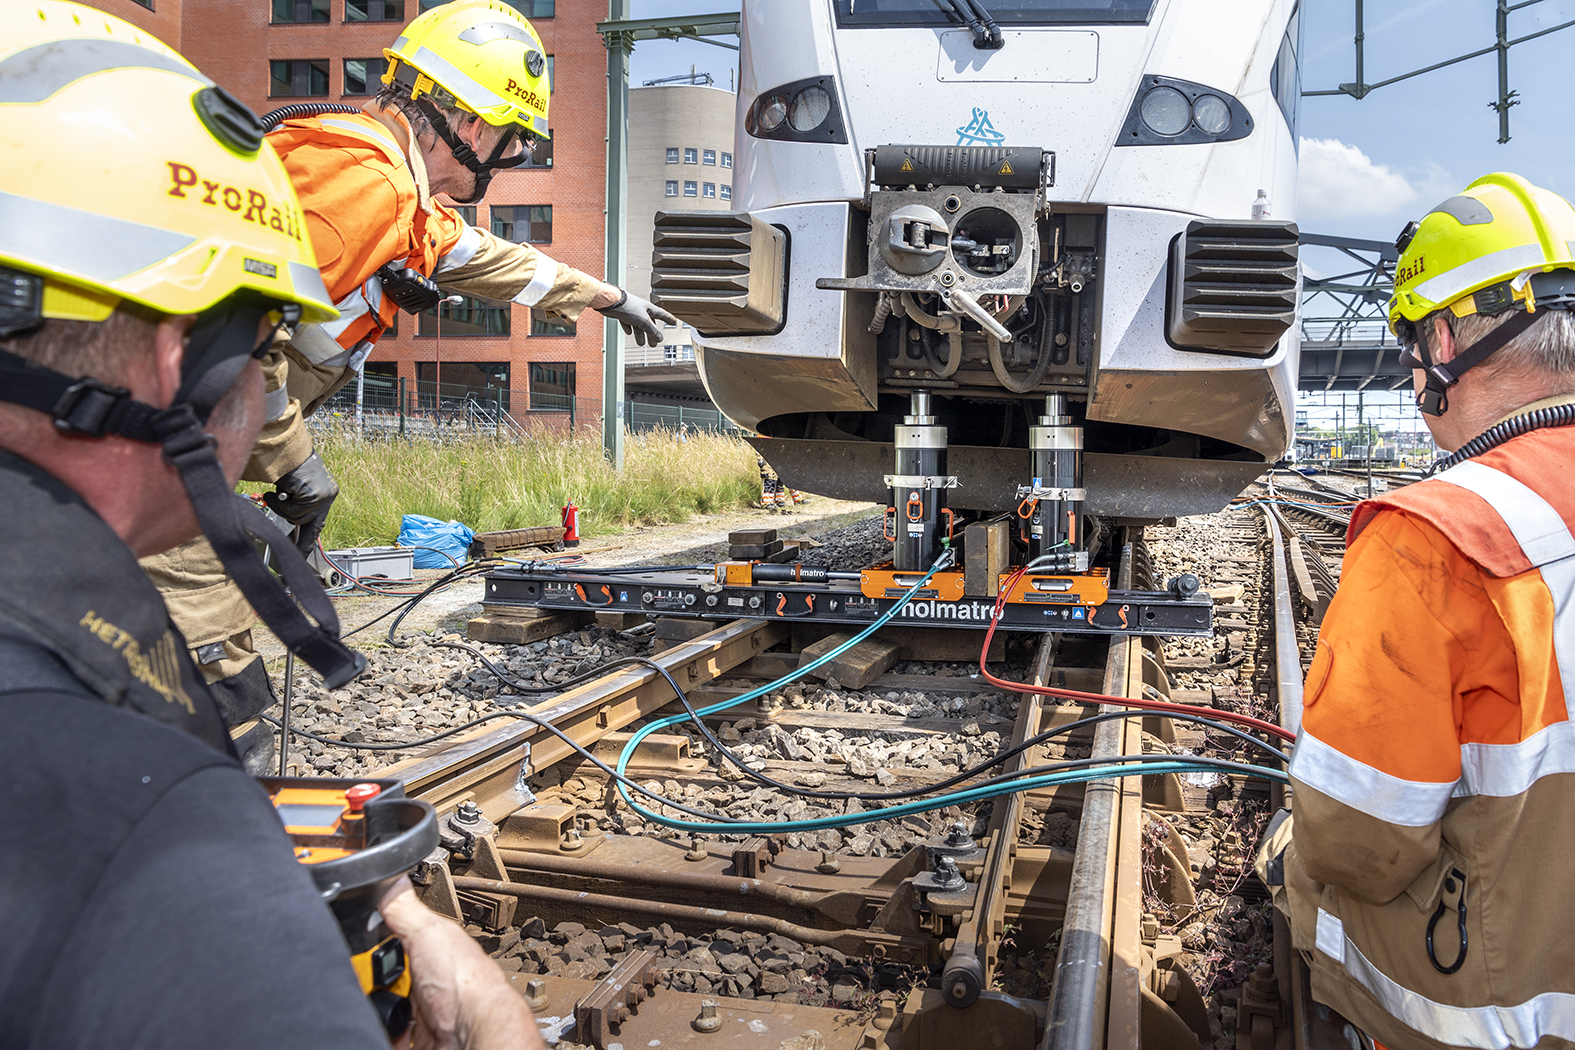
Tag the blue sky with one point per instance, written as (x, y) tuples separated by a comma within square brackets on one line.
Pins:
[(1368, 166)]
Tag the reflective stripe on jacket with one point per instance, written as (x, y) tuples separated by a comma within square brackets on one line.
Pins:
[(1432, 777), (367, 205)]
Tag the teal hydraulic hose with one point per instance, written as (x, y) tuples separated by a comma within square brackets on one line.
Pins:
[(1075, 776), (792, 676), (890, 812)]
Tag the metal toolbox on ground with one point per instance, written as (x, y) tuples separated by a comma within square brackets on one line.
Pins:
[(392, 563)]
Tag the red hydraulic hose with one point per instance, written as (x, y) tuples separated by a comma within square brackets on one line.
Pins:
[(1104, 698)]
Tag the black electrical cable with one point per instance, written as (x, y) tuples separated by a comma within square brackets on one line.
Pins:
[(766, 781), (304, 109), (1496, 435)]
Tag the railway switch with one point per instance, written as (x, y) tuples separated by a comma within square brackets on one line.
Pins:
[(357, 837)]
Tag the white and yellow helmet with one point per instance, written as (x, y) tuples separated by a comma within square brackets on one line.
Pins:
[(125, 174), (484, 56)]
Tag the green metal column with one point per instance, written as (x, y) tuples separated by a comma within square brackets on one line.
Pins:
[(619, 45)]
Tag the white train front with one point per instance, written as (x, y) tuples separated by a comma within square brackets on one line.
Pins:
[(1066, 197)]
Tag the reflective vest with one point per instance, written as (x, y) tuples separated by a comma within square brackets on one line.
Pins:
[(363, 209), (1433, 776)]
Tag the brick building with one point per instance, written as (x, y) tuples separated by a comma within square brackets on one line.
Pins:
[(272, 53)]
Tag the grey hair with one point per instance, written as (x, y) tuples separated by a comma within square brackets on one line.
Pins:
[(1547, 346), (107, 350), (397, 96)]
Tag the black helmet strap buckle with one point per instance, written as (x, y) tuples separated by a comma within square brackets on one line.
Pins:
[(1434, 398), (219, 346)]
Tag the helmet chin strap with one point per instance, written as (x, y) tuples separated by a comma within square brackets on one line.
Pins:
[(220, 344), (482, 169), (1434, 398)]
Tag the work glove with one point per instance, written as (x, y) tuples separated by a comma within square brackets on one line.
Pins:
[(302, 497), (640, 318)]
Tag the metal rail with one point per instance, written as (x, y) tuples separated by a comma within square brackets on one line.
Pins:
[(1098, 997), (491, 767), (1082, 972)]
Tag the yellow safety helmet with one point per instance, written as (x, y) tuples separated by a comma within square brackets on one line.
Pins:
[(480, 56), (1500, 244), (127, 174)]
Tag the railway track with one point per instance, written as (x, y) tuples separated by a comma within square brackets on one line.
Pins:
[(1118, 913)]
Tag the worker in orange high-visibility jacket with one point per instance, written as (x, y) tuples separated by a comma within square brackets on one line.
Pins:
[(465, 94), (1428, 868)]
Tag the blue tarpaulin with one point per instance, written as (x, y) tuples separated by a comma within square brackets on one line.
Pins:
[(450, 537)]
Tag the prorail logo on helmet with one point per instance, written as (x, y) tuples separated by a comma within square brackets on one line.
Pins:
[(1411, 270), (252, 205), (525, 94)]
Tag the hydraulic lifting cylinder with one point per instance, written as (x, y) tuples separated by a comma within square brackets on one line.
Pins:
[(1052, 505), (918, 514)]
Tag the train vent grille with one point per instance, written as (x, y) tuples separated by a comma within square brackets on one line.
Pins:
[(1234, 286), (719, 271)]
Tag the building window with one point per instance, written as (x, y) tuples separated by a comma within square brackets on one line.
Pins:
[(690, 189), (727, 192), (708, 190), (727, 160), (691, 156), (523, 223), (300, 10), (545, 323), (672, 154), (364, 76), (298, 79), (672, 187), (470, 316), (552, 76), (144, 3), (534, 8), (466, 212), (708, 157), (374, 10), (480, 383), (541, 156), (552, 386)]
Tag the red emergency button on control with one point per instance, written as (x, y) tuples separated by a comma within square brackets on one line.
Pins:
[(360, 795)]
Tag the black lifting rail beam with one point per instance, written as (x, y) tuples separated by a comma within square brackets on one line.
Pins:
[(843, 601)]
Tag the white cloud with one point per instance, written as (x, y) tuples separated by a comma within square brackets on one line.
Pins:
[(1338, 182)]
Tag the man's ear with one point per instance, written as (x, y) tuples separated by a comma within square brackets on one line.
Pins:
[(1442, 345), (169, 350)]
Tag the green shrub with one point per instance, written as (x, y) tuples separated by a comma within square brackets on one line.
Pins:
[(492, 484)]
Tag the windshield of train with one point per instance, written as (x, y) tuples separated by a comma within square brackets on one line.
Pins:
[(1005, 12)]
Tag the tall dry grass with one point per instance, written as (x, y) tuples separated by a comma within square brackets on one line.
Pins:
[(492, 484)]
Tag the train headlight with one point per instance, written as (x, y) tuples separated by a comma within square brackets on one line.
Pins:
[(772, 113), (1211, 114), (809, 108), (802, 111), (1166, 112), (1171, 112)]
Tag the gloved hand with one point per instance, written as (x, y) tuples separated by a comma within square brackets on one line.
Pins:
[(640, 318), (302, 497)]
